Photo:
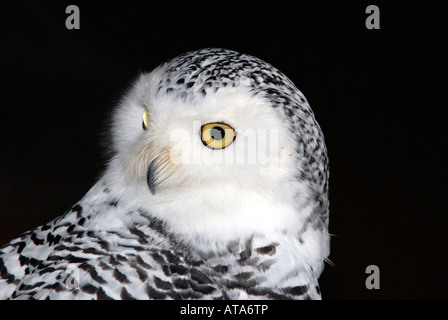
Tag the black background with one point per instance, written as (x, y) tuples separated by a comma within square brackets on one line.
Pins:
[(377, 94)]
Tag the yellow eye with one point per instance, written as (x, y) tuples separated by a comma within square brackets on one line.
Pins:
[(145, 121), (217, 135)]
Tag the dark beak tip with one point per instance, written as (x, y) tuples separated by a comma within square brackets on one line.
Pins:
[(150, 177)]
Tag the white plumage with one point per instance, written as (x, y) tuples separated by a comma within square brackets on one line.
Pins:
[(220, 192)]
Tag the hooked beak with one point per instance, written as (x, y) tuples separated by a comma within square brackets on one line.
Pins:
[(151, 176)]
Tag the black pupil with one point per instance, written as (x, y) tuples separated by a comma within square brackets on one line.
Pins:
[(217, 133)]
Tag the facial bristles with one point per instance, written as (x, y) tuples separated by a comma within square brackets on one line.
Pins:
[(160, 169), (150, 160)]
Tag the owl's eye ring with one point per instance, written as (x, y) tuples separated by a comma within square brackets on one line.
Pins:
[(217, 135), (145, 120)]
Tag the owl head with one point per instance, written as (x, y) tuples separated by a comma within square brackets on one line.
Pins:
[(219, 142)]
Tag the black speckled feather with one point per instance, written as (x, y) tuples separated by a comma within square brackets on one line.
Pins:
[(108, 247)]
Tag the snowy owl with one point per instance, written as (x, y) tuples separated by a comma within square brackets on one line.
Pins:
[(216, 188)]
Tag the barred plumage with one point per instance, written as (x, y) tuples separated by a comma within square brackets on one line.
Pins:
[(158, 227)]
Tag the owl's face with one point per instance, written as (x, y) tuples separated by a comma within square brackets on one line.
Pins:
[(204, 153)]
